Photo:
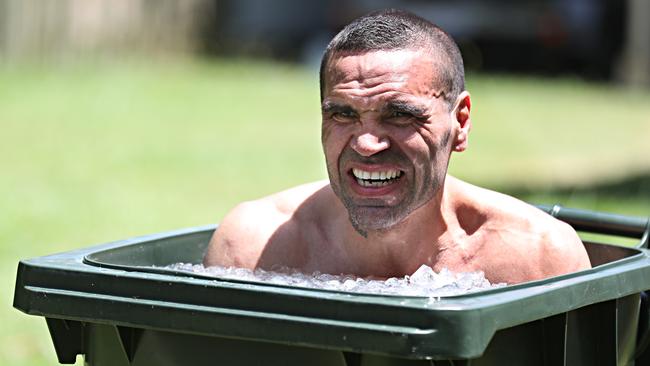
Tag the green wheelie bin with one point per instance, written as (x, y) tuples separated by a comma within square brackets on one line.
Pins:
[(116, 305)]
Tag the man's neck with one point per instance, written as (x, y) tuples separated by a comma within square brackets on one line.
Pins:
[(401, 250)]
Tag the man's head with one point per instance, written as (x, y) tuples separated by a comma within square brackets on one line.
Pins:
[(392, 29), (393, 108)]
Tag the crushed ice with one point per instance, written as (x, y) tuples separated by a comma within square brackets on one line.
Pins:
[(424, 282)]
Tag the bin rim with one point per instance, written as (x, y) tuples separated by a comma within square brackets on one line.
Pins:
[(94, 258)]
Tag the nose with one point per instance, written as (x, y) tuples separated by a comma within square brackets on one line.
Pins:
[(368, 144)]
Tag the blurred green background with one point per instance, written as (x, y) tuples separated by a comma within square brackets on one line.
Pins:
[(99, 147), (97, 152)]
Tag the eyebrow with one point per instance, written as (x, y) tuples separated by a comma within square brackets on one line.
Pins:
[(391, 106), (401, 106), (332, 107)]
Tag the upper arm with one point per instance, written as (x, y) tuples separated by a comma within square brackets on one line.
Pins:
[(563, 251), (239, 239), (266, 232), (533, 246)]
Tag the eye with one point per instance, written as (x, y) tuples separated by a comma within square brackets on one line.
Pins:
[(344, 116), (400, 114), (400, 117)]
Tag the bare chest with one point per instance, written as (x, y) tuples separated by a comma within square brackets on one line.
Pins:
[(466, 253), (457, 259)]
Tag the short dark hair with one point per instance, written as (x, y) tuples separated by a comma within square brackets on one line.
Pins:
[(392, 29)]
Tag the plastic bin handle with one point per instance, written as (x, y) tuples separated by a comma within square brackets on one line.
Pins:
[(602, 223)]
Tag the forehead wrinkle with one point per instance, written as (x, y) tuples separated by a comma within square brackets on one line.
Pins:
[(363, 69), (355, 89), (373, 76), (375, 102), (357, 79)]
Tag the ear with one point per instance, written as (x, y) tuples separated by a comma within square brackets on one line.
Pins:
[(463, 124)]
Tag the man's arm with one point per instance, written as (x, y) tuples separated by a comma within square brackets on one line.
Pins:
[(266, 232), (529, 253), (563, 251), (533, 247), (240, 239), (521, 242)]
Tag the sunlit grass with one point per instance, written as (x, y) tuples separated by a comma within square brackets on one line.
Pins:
[(97, 152), (548, 132)]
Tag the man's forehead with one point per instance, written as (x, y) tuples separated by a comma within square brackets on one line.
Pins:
[(374, 63), (380, 76)]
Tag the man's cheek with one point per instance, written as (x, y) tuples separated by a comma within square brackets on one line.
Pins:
[(331, 161)]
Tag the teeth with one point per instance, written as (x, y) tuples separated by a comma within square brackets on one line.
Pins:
[(373, 183), (377, 177)]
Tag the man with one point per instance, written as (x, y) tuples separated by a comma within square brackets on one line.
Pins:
[(393, 110)]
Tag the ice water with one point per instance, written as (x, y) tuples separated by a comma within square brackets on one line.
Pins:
[(424, 282)]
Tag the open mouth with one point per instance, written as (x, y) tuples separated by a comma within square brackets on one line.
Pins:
[(376, 179)]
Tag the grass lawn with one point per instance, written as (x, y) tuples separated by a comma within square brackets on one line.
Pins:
[(97, 152)]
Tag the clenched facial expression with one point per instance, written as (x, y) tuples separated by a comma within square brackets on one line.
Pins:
[(387, 134)]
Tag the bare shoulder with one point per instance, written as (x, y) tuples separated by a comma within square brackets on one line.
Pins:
[(521, 242), (243, 234)]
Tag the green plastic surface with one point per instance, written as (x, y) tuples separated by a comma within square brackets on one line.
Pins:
[(99, 298)]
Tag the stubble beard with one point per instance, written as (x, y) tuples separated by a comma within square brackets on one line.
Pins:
[(365, 219)]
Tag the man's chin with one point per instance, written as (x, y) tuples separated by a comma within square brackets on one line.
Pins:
[(365, 222)]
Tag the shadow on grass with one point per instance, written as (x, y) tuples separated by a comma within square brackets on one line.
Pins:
[(627, 196), (630, 187)]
